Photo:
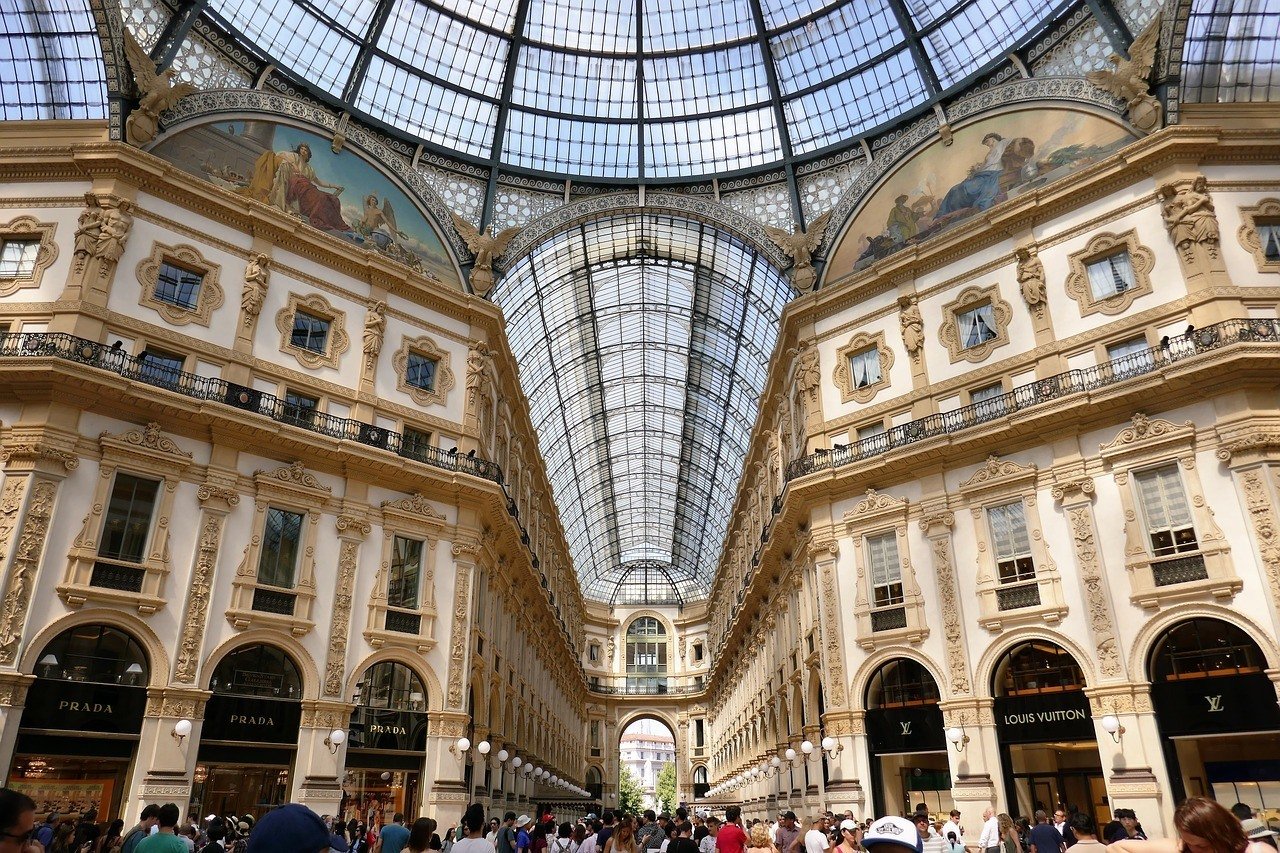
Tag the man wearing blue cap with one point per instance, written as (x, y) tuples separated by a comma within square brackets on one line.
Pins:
[(291, 828)]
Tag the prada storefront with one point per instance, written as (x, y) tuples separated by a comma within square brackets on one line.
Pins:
[(250, 733), (80, 727), (1048, 746), (1217, 713), (906, 740), (387, 742)]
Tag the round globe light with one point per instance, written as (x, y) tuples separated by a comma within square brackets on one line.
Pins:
[(503, 755), (483, 747), (807, 747), (955, 734), (337, 737), (463, 744), (516, 761), (828, 743), (775, 762), (182, 728), (790, 754)]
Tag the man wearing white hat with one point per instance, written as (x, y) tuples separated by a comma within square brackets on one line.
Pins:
[(892, 835)]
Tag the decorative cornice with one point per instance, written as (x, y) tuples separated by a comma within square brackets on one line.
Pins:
[(416, 504), (996, 470), (148, 437), (294, 474), (36, 451), (1143, 429)]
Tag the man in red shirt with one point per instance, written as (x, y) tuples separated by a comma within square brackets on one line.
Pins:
[(732, 838)]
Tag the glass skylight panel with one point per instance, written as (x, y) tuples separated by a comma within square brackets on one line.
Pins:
[(51, 62), (1231, 52), (441, 46), (977, 33), (350, 15), (557, 145), (779, 13), (841, 40), (428, 110), (854, 105), (499, 14), (305, 44), (682, 24), (588, 86), (582, 25), (690, 84), (722, 143)]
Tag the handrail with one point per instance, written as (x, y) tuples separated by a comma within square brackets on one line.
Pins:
[(1139, 363), (141, 369)]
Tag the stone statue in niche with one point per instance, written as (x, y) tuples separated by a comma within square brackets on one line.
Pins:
[(1030, 277), (799, 245), (1190, 218), (912, 325), (375, 323), (156, 93), (255, 287)]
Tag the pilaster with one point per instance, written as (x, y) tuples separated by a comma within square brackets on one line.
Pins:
[(318, 767), (165, 762)]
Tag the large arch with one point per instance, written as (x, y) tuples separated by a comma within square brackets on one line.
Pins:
[(130, 624), (680, 754), (985, 670), (1142, 645), (862, 677), (420, 668), (268, 637)]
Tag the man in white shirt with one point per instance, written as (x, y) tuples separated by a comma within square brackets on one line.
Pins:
[(708, 842), (588, 844), (933, 842), (953, 825), (815, 840), (989, 840)]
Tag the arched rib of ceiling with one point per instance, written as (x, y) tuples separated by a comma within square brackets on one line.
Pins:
[(643, 342)]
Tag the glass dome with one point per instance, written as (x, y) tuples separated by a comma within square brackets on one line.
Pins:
[(621, 91)]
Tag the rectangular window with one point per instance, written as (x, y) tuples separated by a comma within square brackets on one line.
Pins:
[(309, 332), (697, 652), (1269, 236), (299, 409), (595, 734), (415, 443), (864, 367), (280, 542), (593, 653), (406, 569), (420, 371), (1011, 542), (989, 399), (871, 430), (178, 286), (1166, 510), (128, 521), (1131, 356), (886, 570), (18, 258), (977, 325), (699, 733), (160, 368), (1110, 275)]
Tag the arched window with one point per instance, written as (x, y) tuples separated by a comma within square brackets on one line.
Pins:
[(1037, 666), (97, 654), (263, 671), (646, 656), (393, 686), (900, 683), (1204, 648)]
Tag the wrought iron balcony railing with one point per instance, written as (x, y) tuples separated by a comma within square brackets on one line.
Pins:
[(140, 369), (1170, 351)]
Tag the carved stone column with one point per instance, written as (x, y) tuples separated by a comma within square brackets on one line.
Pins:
[(217, 498), (1075, 493), (1253, 454), (465, 552), (936, 523), (319, 765), (351, 532), (831, 632), (1138, 775), (851, 764), (443, 791), (13, 698), (165, 763), (977, 779), (33, 471)]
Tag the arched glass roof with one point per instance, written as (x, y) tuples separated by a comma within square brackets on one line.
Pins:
[(638, 89), (643, 343)]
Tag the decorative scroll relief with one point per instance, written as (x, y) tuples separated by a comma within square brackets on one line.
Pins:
[(189, 646), (1101, 619), (937, 527), (458, 641), (834, 648), (351, 532), (31, 538)]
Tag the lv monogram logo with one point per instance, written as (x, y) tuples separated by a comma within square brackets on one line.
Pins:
[(1215, 703), (906, 728)]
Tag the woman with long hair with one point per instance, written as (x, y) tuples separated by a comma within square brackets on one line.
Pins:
[(420, 835), (759, 841), (1203, 826), (1009, 838), (112, 839), (623, 839)]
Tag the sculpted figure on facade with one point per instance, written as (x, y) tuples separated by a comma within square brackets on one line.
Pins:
[(375, 324), (1031, 277), (486, 248), (1189, 217), (156, 93), (1128, 79), (101, 231), (255, 287), (912, 326), (799, 245), (88, 231)]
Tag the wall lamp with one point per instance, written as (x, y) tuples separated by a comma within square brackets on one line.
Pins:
[(460, 747), (181, 729), (831, 747), (957, 738), (336, 738), (1111, 725)]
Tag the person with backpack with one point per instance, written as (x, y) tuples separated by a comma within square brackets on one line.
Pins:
[(563, 842)]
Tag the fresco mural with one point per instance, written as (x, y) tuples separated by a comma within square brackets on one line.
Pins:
[(988, 162), (296, 171)]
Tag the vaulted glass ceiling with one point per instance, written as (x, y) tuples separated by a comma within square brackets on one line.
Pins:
[(643, 343), (634, 89)]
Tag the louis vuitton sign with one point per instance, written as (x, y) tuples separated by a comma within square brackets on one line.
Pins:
[(916, 728), (1225, 704), (1041, 717)]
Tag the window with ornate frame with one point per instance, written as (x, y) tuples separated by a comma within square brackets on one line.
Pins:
[(179, 284), (120, 566), (862, 367), (1109, 273), (1018, 581), (402, 610), (888, 606), (1174, 550), (255, 603), (423, 350), (25, 266), (300, 334), (975, 323), (1260, 233)]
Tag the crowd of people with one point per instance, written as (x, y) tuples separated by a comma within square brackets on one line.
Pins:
[(1203, 826)]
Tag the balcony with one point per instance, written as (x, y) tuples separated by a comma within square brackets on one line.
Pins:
[(101, 357), (272, 601), (889, 619), (1152, 360), (1179, 570), (404, 623), (1017, 597), (647, 685), (112, 575)]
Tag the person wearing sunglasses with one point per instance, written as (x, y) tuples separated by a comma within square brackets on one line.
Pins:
[(17, 823)]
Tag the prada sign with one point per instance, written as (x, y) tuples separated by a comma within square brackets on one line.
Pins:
[(1044, 717), (251, 719), (914, 729), (380, 728), (84, 707), (1207, 706)]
